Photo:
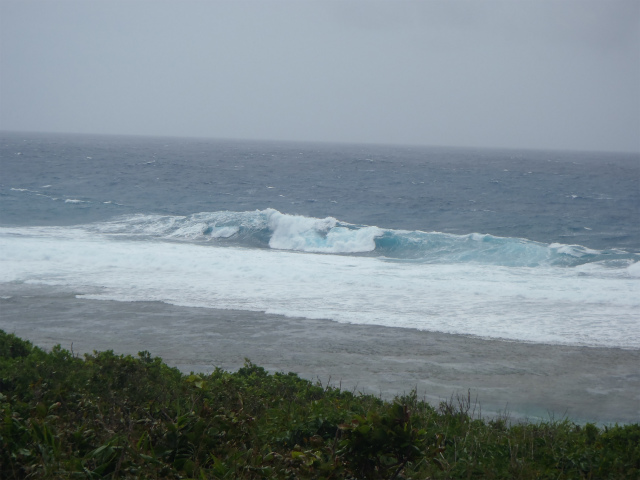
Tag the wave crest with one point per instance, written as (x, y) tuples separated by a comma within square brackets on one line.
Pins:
[(272, 229)]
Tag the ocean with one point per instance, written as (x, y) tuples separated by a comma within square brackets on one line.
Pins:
[(526, 246)]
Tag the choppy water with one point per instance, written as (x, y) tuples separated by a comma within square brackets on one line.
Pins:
[(522, 245)]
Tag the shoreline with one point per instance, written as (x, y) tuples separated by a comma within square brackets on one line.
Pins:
[(524, 380)]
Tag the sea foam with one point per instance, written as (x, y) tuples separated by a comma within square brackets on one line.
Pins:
[(272, 229), (543, 304), (299, 233)]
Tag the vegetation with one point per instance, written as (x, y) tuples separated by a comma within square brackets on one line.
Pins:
[(111, 416)]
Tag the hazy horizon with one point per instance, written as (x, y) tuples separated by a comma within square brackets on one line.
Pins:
[(498, 74), (316, 142)]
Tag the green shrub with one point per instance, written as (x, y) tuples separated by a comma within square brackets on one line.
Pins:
[(115, 416)]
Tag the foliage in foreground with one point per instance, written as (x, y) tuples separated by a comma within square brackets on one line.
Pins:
[(111, 416)]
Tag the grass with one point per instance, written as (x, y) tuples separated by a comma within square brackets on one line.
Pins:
[(113, 416)]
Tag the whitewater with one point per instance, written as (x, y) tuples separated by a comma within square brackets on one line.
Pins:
[(522, 246), (305, 267)]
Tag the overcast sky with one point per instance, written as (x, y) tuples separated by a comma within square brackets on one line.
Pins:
[(533, 74)]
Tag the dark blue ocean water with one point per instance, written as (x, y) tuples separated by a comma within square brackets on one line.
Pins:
[(590, 199), (530, 234)]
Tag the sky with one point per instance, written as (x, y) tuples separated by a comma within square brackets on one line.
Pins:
[(561, 74)]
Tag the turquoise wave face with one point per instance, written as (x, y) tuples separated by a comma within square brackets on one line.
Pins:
[(271, 229), (488, 249)]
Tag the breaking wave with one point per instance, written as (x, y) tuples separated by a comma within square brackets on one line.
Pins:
[(272, 229)]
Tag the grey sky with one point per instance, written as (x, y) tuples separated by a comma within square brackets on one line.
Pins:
[(532, 74)]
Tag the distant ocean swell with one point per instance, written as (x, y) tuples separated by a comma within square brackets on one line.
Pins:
[(271, 229)]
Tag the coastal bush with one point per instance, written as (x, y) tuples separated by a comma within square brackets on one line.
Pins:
[(118, 416)]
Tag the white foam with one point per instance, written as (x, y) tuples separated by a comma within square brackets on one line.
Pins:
[(72, 200), (477, 237), (634, 269), (193, 230), (573, 250), (223, 232), (549, 305), (294, 232)]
